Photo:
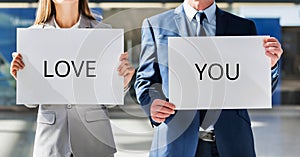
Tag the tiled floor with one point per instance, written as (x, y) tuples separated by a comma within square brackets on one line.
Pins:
[(276, 132)]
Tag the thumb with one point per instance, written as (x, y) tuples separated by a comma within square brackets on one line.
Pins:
[(14, 54)]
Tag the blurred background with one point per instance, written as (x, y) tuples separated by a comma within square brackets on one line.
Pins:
[(275, 130)]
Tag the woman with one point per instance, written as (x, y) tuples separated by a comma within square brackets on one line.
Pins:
[(72, 130)]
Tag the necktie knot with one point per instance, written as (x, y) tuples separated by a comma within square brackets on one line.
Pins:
[(200, 16)]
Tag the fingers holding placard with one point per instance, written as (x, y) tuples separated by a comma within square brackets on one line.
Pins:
[(273, 49), (16, 64), (160, 110), (125, 69)]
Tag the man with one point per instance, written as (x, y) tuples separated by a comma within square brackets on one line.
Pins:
[(177, 134)]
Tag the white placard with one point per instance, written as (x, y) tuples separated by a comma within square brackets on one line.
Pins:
[(70, 66), (235, 73)]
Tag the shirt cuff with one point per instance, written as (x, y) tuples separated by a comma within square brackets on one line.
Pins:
[(275, 71), (153, 123), (31, 105), (126, 89)]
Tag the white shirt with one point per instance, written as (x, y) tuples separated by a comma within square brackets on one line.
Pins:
[(209, 23)]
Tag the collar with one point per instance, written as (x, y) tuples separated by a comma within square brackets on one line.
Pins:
[(190, 12), (76, 25)]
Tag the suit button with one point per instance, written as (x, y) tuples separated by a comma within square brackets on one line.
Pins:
[(69, 106)]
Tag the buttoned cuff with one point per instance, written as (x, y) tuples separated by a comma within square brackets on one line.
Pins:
[(275, 71)]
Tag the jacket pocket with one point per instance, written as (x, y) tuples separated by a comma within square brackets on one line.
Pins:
[(243, 114), (46, 118), (91, 116)]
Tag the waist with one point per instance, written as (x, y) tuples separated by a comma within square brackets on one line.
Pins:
[(207, 136)]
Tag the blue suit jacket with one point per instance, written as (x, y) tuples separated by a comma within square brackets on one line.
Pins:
[(178, 135)]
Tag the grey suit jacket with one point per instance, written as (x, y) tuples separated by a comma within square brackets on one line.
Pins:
[(83, 130)]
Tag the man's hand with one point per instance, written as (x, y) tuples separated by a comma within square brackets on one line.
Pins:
[(273, 49), (160, 110)]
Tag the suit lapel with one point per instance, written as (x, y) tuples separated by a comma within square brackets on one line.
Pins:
[(84, 22), (181, 22), (221, 23)]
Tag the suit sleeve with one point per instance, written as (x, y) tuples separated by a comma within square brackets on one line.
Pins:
[(148, 79), (275, 76), (275, 69)]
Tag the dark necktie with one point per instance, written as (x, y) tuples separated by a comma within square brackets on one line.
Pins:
[(207, 117), (200, 16)]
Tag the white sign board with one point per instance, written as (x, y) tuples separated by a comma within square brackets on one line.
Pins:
[(219, 73), (70, 66)]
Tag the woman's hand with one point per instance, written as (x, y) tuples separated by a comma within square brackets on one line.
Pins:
[(16, 64), (125, 69)]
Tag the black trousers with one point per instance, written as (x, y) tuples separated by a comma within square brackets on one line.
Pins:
[(206, 149)]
